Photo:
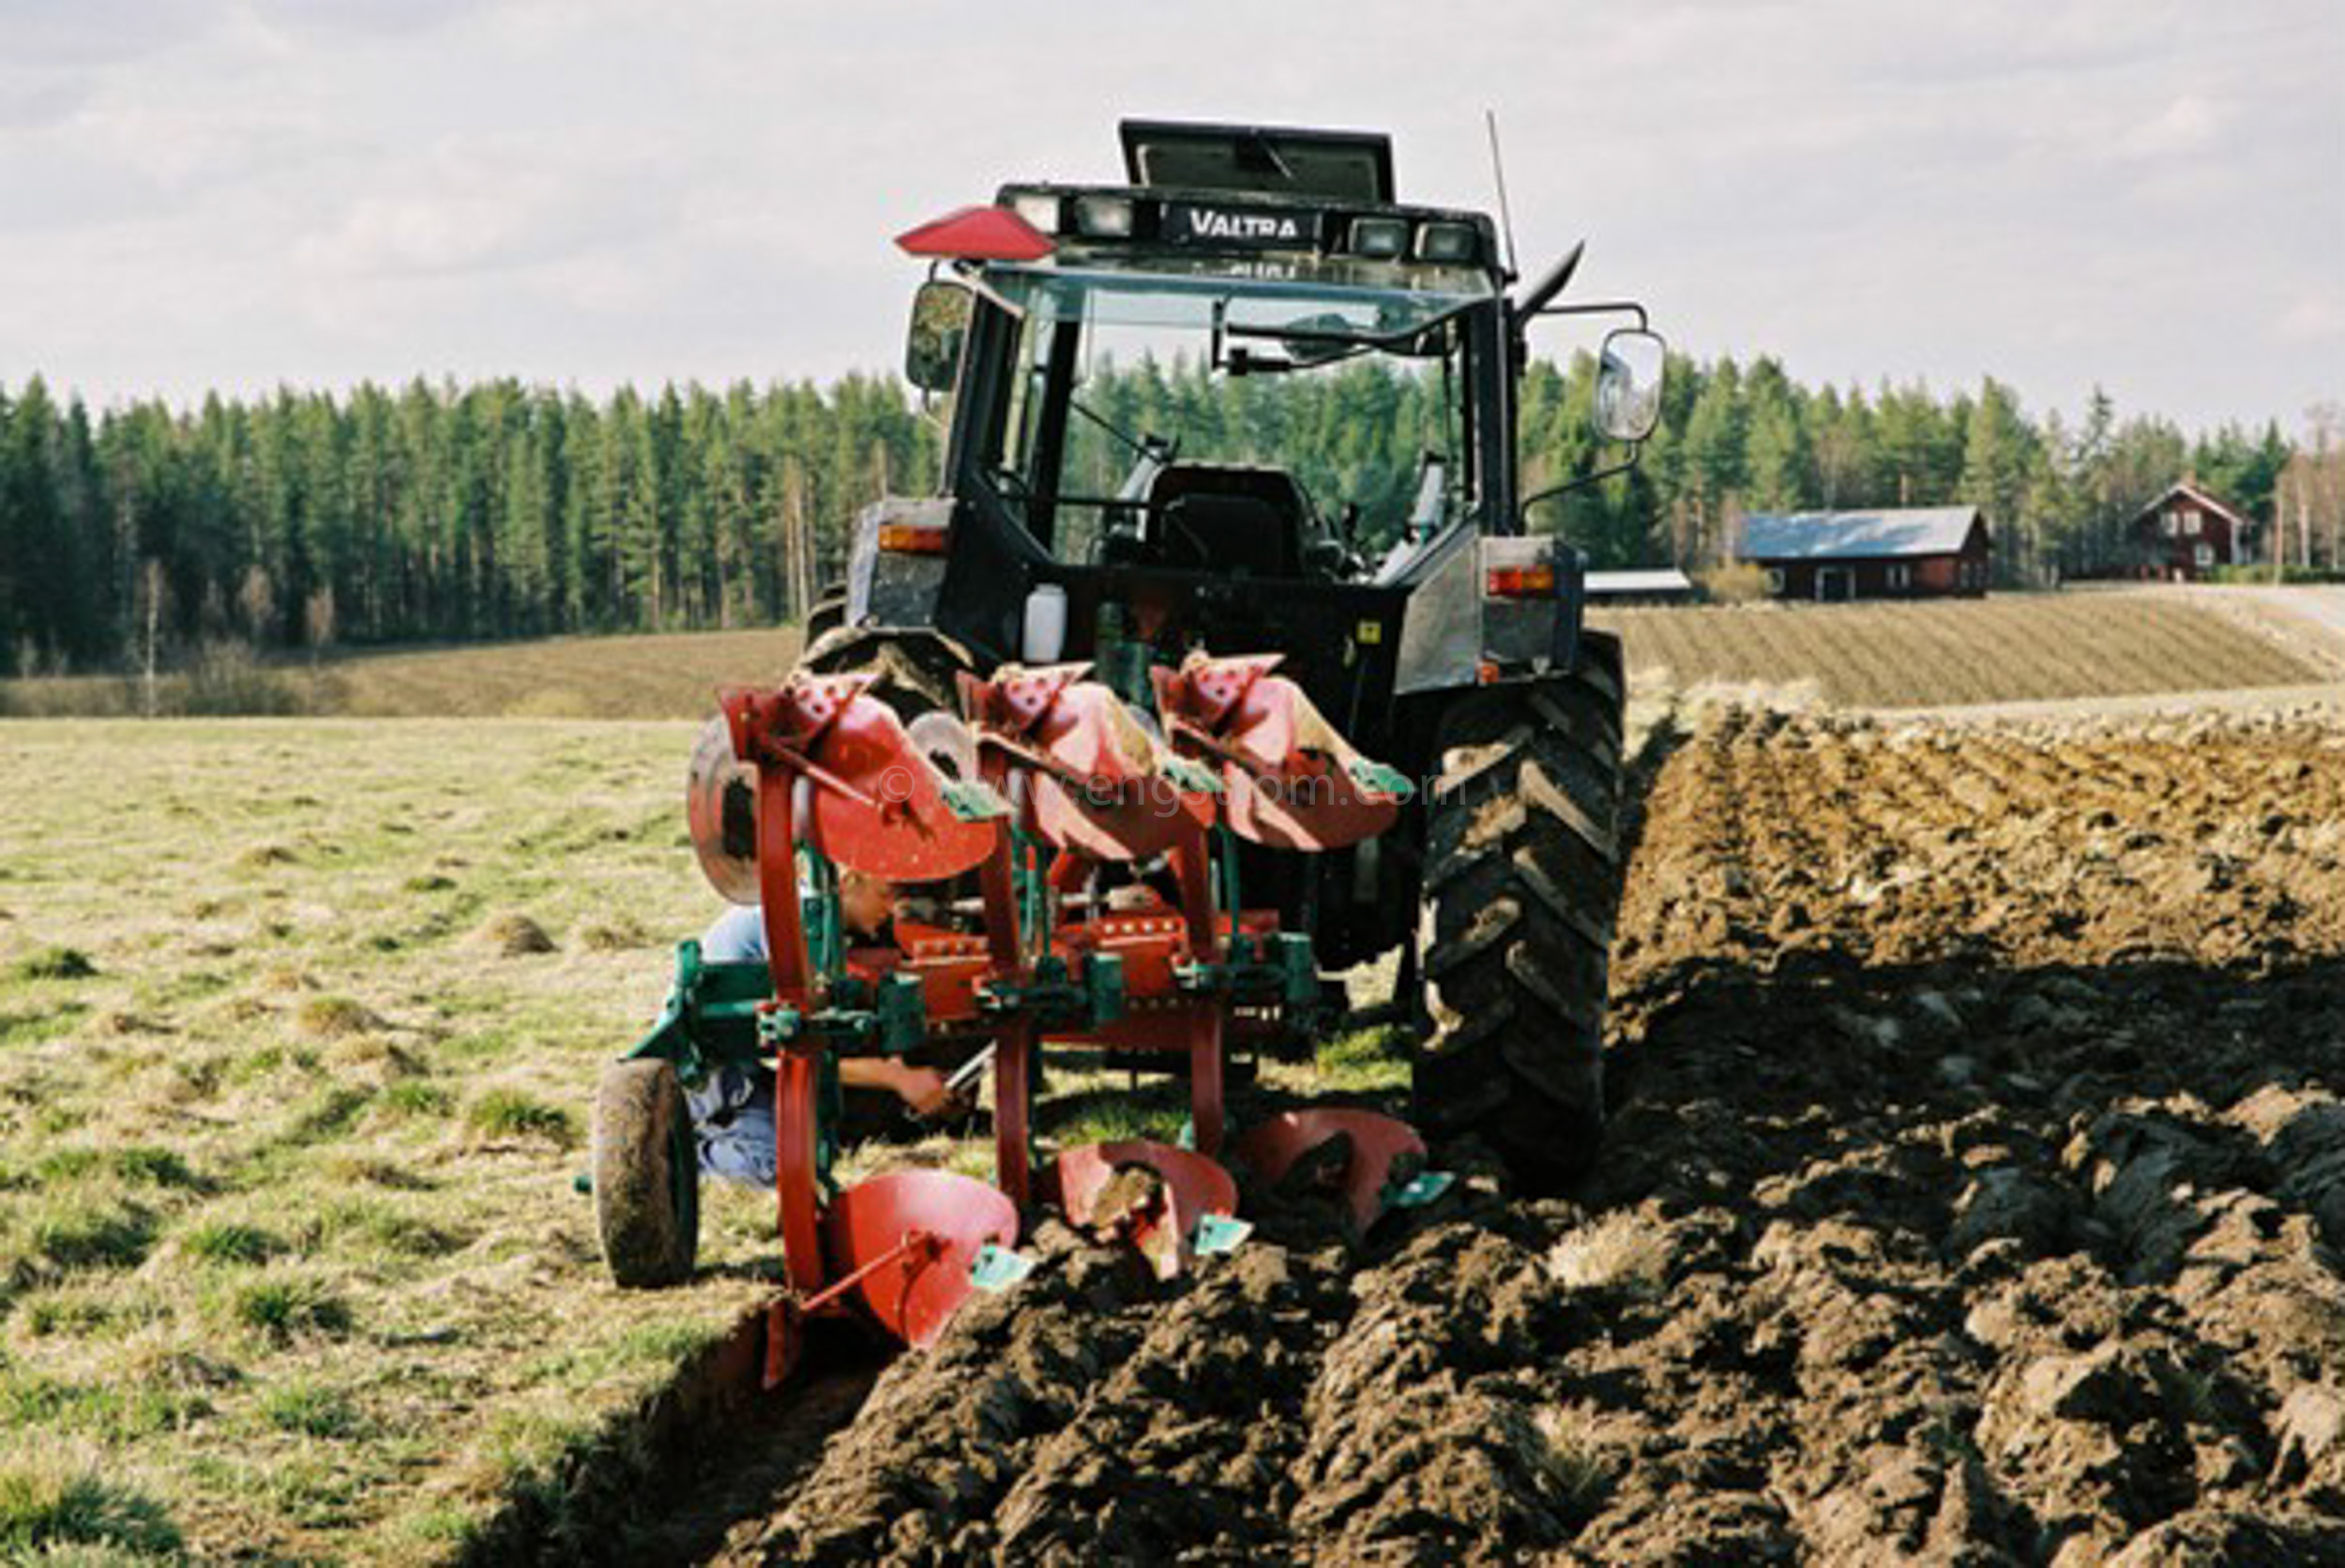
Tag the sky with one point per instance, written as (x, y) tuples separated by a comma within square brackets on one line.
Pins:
[(2145, 194)]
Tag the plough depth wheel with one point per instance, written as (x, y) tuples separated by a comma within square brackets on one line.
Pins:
[(646, 1178)]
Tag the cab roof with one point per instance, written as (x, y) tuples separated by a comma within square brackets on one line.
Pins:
[(1269, 160)]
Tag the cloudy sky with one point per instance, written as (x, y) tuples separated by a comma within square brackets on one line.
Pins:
[(194, 194)]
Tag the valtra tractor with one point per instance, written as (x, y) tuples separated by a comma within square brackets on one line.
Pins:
[(1161, 738)]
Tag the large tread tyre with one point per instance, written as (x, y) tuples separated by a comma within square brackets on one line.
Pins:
[(1522, 884), (828, 615), (918, 669), (647, 1175)]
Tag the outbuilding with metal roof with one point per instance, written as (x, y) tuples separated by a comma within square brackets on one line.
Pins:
[(1901, 553)]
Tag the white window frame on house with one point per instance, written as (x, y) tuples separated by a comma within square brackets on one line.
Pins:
[(1774, 580), (2204, 555), (1900, 575), (2172, 521), (2190, 523)]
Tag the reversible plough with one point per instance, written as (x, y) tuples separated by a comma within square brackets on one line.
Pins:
[(1099, 842)]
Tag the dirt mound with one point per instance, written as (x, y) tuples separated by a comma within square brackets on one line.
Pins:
[(1979, 1195), (512, 935)]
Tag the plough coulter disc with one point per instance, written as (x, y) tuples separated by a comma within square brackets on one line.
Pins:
[(936, 1224), (1154, 1195), (1383, 1168), (721, 808)]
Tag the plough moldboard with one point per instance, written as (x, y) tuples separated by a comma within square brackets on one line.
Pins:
[(1099, 843)]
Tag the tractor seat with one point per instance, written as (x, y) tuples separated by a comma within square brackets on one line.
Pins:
[(1227, 518)]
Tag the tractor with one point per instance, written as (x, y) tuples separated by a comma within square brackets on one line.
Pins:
[(1166, 735)]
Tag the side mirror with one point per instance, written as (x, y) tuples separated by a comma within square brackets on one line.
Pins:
[(1628, 384), (940, 326)]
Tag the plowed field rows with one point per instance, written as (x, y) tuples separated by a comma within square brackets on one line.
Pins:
[(1977, 1196), (2022, 648)]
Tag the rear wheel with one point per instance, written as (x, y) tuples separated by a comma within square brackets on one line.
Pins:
[(829, 611), (647, 1175), (1522, 883)]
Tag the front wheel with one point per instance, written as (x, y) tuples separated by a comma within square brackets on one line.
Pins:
[(647, 1175), (1522, 883)]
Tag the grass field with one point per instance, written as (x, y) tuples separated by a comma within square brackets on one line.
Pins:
[(299, 1023), (2016, 648)]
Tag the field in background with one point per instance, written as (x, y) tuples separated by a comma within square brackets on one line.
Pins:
[(2002, 648), (671, 675), (657, 676)]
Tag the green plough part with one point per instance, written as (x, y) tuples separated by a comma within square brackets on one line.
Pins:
[(997, 1268), (1193, 777), (1379, 779), (972, 800), (1420, 1190), (1220, 1233)]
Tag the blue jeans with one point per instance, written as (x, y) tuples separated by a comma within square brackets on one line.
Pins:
[(732, 1110)]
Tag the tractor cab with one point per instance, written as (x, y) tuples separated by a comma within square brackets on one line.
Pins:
[(1127, 371)]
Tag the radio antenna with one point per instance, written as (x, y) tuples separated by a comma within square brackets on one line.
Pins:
[(1498, 172)]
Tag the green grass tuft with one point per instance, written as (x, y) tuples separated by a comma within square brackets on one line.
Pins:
[(85, 1233), (416, 1101), (284, 1307), (312, 1410), (224, 1241), (330, 1017), (53, 963), (511, 1113), (1365, 1061), (45, 1506)]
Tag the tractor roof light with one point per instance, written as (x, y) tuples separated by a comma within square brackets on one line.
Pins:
[(1041, 209), (1445, 242), (1103, 217), (1381, 239), (979, 235)]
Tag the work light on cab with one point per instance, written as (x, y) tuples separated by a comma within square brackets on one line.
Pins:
[(1103, 217), (1380, 238)]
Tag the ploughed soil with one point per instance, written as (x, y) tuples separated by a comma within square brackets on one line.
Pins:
[(1976, 1194)]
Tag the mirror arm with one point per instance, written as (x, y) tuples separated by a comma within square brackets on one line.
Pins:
[(1600, 307), (985, 292), (1583, 482)]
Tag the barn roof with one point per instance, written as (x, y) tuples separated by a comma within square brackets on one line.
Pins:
[(1867, 536), (1642, 580)]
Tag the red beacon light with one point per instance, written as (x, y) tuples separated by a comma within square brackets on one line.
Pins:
[(978, 235)]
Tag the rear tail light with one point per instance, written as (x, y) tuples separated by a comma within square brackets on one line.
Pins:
[(1519, 582), (911, 539)]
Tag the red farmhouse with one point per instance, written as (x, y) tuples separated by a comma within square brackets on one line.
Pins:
[(2185, 534)]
